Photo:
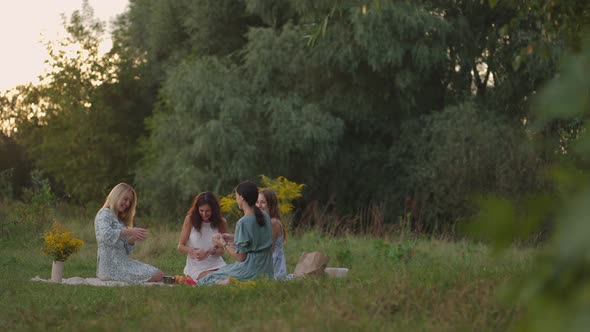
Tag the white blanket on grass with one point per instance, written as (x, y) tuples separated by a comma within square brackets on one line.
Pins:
[(96, 282)]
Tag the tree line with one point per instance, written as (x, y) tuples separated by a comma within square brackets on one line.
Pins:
[(416, 107)]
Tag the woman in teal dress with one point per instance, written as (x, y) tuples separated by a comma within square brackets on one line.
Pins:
[(252, 242), (116, 237)]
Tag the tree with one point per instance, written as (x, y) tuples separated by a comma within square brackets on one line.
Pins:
[(335, 106), (14, 167), (85, 130)]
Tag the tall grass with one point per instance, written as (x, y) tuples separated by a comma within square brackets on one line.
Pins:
[(394, 284)]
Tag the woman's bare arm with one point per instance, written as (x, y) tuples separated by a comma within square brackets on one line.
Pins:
[(184, 235)]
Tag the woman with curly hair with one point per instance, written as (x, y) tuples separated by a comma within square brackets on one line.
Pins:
[(202, 221)]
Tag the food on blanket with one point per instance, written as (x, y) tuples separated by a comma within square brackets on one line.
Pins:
[(185, 280)]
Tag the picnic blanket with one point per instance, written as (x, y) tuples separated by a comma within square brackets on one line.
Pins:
[(96, 282), (110, 283)]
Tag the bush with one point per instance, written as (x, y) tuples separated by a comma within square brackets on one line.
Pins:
[(6, 190), (459, 153), (36, 212), (287, 191)]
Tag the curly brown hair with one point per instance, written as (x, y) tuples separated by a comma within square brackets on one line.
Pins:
[(216, 220)]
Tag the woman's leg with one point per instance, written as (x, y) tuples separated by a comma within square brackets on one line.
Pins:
[(204, 273), (225, 281)]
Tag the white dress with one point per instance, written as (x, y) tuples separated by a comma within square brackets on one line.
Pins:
[(202, 240)]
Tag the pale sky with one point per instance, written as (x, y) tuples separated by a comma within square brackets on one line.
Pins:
[(23, 23)]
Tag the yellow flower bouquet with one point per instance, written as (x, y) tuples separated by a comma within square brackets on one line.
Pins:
[(60, 243)]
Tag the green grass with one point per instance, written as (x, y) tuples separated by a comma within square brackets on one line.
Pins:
[(429, 285)]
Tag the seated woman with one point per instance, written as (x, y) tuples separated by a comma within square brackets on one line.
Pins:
[(116, 237), (269, 202), (202, 221), (251, 245)]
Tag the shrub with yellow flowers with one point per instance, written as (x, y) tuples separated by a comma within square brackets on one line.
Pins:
[(286, 190), (60, 243), (229, 206)]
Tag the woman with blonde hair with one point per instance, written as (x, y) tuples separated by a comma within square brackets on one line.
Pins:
[(116, 238), (269, 202)]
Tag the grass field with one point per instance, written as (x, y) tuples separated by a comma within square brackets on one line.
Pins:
[(417, 285)]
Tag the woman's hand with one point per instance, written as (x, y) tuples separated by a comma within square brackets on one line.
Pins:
[(228, 237), (218, 240), (212, 250), (198, 253), (137, 234)]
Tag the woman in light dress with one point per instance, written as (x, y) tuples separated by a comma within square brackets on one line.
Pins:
[(202, 221), (116, 238), (269, 202)]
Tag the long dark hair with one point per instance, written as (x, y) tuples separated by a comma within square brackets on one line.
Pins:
[(272, 201), (201, 199), (249, 191)]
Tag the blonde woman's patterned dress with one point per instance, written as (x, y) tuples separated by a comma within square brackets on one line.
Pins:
[(112, 261)]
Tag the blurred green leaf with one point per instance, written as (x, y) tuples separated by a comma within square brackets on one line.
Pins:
[(495, 221), (568, 95)]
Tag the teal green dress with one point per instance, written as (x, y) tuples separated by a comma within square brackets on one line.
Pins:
[(256, 242)]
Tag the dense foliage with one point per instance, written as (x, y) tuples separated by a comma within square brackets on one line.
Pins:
[(415, 107)]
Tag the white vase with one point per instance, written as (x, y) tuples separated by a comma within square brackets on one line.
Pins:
[(57, 271)]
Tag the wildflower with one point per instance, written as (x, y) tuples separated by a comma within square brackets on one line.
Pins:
[(286, 190), (60, 243)]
